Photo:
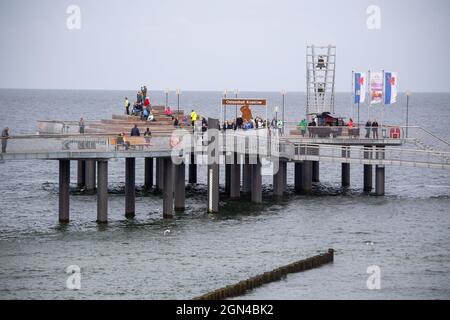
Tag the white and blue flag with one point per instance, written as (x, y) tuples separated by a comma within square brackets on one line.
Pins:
[(359, 87), (390, 87)]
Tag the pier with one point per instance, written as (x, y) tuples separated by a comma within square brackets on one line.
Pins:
[(170, 160)]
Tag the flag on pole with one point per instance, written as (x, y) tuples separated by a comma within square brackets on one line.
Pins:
[(376, 87), (390, 87), (359, 87)]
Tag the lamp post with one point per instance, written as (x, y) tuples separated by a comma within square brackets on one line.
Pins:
[(283, 94), (407, 93), (178, 102), (236, 92), (276, 115), (167, 97)]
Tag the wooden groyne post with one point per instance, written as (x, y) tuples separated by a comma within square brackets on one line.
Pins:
[(244, 286)]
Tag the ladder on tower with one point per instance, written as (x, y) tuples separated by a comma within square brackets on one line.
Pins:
[(320, 78)]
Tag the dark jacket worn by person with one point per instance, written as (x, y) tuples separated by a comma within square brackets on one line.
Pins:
[(135, 132)]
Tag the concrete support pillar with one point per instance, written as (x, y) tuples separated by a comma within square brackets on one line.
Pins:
[(90, 175), (235, 178), (315, 171), (379, 180), (159, 174), (148, 173), (213, 167), (256, 182), (64, 188), (102, 191), (279, 177), (345, 170), (284, 166), (307, 176), (228, 161), (368, 170), (246, 176), (298, 171), (130, 187), (168, 175), (81, 173), (368, 183), (193, 169), (180, 187)]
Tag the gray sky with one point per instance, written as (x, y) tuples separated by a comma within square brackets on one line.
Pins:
[(256, 45)]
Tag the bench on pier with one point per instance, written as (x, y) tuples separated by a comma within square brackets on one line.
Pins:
[(133, 143)]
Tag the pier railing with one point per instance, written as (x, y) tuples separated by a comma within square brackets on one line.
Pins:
[(261, 142), (368, 155), (79, 143), (425, 139)]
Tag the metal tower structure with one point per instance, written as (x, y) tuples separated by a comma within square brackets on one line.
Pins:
[(320, 77)]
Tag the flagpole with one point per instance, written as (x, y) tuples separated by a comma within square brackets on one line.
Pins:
[(352, 93), (370, 97), (384, 97)]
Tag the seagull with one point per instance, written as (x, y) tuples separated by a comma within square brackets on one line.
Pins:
[(369, 243), (166, 232)]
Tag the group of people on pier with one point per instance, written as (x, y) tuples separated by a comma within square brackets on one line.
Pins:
[(372, 126), (309, 127), (141, 107)]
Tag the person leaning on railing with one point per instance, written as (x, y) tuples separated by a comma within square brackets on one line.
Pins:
[(5, 137)]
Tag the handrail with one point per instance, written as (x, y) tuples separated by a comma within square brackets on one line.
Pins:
[(323, 146), (432, 134)]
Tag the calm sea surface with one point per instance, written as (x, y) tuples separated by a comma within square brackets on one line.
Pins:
[(406, 233)]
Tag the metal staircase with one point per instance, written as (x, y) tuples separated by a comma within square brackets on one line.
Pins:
[(320, 78)]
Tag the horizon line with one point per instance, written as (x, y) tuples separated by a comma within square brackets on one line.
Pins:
[(231, 92)]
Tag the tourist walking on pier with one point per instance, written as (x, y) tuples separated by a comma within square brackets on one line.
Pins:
[(350, 123), (204, 124), (127, 106), (303, 124), (81, 125), (225, 125), (193, 117), (375, 129), (239, 123), (5, 137), (168, 111), (135, 131), (147, 135), (368, 125)]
